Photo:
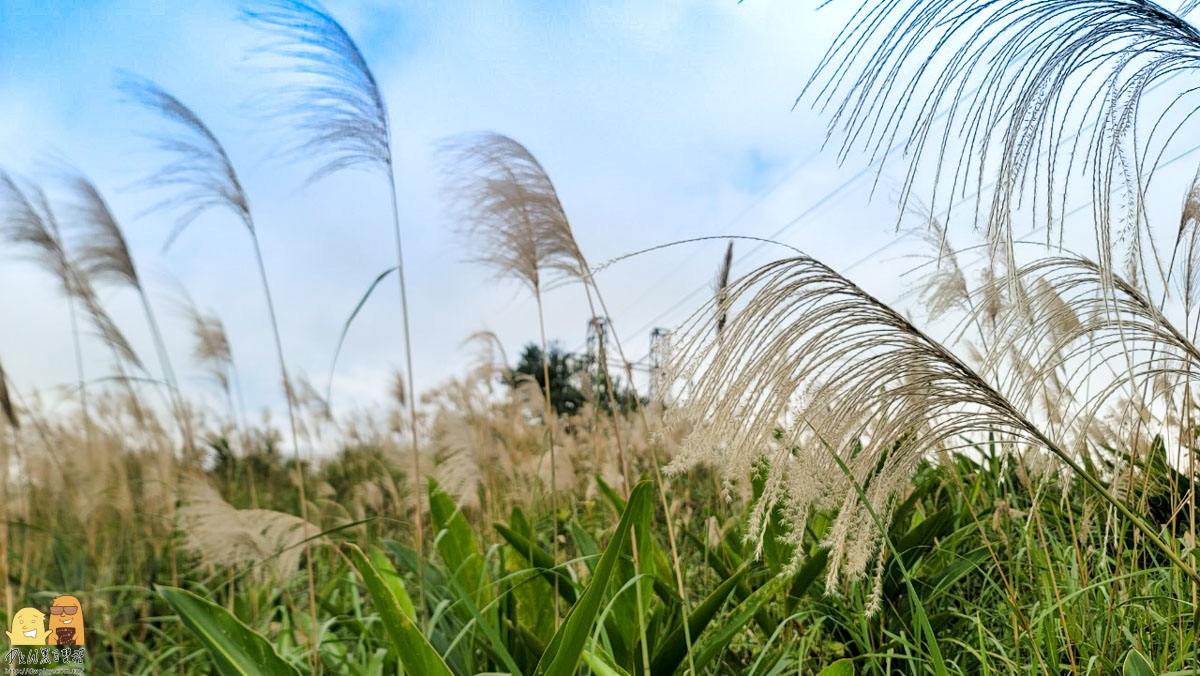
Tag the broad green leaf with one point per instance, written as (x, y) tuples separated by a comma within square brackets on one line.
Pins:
[(563, 654), (719, 636), (589, 551), (392, 578), (841, 667), (415, 652), (812, 568), (458, 546), (235, 648), (673, 649), (601, 666), (540, 559), (617, 502), (1137, 665), (627, 619)]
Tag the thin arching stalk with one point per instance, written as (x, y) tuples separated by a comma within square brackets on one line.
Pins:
[(343, 115), (408, 373), (105, 256), (203, 173)]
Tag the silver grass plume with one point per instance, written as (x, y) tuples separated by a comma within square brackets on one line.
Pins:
[(203, 177), (211, 349), (199, 171), (6, 402), (508, 210), (722, 287), (339, 109), (104, 256), (1106, 341), (343, 119), (31, 223), (811, 367), (221, 535), (492, 360), (1046, 88), (102, 252)]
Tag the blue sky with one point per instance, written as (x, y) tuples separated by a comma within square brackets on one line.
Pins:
[(657, 121)]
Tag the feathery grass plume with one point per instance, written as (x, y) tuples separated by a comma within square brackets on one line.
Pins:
[(1046, 88), (211, 349), (221, 535), (31, 223), (203, 177), (1187, 242), (510, 214), (6, 402), (343, 119), (813, 367), (337, 107), (493, 360), (721, 288), (508, 210), (944, 289), (103, 256), (1114, 348)]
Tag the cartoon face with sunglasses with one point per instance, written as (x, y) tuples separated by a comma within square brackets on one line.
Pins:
[(66, 621)]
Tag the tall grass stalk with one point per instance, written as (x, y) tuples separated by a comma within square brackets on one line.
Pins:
[(203, 173), (105, 256), (342, 113)]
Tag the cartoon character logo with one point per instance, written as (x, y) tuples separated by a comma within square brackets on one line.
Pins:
[(28, 628), (66, 621)]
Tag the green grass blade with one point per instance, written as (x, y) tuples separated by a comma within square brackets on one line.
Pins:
[(673, 649), (838, 668), (601, 666), (1137, 665), (392, 579), (563, 655), (346, 326), (415, 652), (458, 546), (235, 648), (719, 636), (540, 559)]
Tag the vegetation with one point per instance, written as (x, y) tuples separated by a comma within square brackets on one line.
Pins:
[(818, 486)]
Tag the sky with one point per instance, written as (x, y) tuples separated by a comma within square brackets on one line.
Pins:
[(656, 121)]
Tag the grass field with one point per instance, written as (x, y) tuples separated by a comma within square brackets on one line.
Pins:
[(996, 478)]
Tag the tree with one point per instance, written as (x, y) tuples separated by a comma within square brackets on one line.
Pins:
[(569, 373), (563, 369)]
